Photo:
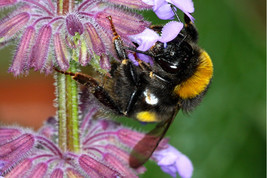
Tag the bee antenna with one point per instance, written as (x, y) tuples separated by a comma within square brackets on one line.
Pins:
[(180, 42), (112, 25), (174, 11)]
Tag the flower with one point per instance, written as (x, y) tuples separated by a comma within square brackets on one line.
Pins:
[(48, 38), (105, 150), (172, 162), (148, 37), (163, 9)]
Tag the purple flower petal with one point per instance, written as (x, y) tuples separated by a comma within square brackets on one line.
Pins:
[(6, 134), (14, 151), (126, 23), (104, 62), (145, 58), (129, 137), (146, 39), (164, 12), (170, 31), (186, 6), (86, 162), (94, 41), (57, 173), (74, 24), (184, 166), (21, 58), (4, 3), (61, 52), (132, 59), (19, 171), (40, 49), (137, 4), (121, 167), (172, 161), (39, 170), (12, 25)]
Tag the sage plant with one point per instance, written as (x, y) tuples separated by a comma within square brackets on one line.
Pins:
[(68, 34)]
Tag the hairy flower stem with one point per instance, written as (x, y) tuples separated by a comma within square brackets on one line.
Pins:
[(72, 111), (67, 97), (61, 110)]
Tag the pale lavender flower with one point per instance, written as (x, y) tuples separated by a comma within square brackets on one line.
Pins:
[(172, 162), (47, 39), (105, 150), (163, 9), (148, 37)]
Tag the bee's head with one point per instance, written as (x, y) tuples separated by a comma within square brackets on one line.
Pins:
[(178, 57)]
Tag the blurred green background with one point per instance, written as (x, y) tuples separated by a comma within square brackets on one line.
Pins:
[(225, 135)]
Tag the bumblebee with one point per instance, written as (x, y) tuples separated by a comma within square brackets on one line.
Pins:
[(179, 78)]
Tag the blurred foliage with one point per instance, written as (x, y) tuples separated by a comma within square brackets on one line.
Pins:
[(225, 135)]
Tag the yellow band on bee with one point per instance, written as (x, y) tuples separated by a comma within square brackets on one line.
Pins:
[(198, 82), (146, 116)]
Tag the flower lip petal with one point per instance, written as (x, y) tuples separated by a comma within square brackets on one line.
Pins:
[(164, 12), (184, 166), (185, 5), (170, 31), (146, 39)]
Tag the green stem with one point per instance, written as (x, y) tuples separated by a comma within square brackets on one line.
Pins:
[(61, 110), (67, 98), (73, 141)]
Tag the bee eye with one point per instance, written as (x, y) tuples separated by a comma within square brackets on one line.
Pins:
[(168, 66)]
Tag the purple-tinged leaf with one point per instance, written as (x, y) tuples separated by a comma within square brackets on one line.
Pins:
[(40, 49), (125, 23), (4, 3), (94, 41), (19, 170), (123, 156), (72, 173), (14, 151), (136, 4), (74, 24), (57, 173), (129, 137), (86, 162), (84, 56), (7, 134), (104, 62), (121, 167), (61, 51), (21, 59), (10, 26), (170, 31), (39, 170)]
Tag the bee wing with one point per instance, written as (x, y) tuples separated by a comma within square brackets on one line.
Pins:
[(143, 150)]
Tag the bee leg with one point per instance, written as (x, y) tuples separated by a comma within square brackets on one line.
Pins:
[(98, 91), (190, 29), (118, 44)]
